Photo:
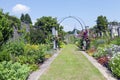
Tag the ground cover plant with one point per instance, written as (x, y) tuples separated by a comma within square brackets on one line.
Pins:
[(13, 71)]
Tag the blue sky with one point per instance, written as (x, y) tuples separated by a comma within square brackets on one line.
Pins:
[(87, 10)]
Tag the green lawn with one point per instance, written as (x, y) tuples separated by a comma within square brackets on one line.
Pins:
[(70, 64)]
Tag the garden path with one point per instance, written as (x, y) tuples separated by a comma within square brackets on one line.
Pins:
[(36, 75)]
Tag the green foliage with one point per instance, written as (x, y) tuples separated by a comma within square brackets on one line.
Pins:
[(35, 53), (14, 22), (44, 28), (1, 38), (11, 49), (42, 52), (33, 67), (7, 23), (22, 17), (18, 51), (99, 42), (37, 36), (26, 18), (115, 65), (31, 53), (4, 55), (13, 71), (116, 41), (79, 43), (102, 25), (5, 28), (113, 23), (100, 52), (14, 47), (61, 44)]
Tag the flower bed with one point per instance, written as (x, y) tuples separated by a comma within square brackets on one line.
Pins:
[(109, 56), (20, 53)]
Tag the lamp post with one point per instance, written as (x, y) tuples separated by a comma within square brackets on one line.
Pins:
[(55, 34)]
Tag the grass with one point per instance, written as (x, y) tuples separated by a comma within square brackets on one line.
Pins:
[(71, 65)]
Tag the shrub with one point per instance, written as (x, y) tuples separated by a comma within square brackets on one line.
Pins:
[(100, 53), (4, 55), (15, 47), (61, 44), (99, 42), (41, 53), (115, 65), (30, 49), (79, 43), (112, 49), (13, 71), (18, 51), (25, 59), (116, 41), (35, 53), (11, 49)]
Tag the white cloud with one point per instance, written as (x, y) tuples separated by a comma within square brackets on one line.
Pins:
[(19, 8)]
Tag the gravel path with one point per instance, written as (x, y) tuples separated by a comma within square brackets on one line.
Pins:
[(102, 69), (36, 74)]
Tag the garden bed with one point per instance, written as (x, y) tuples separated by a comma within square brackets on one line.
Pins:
[(109, 57)]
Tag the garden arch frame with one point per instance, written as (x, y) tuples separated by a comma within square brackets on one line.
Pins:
[(83, 26)]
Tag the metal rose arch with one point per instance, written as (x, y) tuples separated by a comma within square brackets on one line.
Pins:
[(84, 33), (55, 33), (79, 20)]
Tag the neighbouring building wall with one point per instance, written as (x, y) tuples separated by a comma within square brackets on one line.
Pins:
[(114, 30)]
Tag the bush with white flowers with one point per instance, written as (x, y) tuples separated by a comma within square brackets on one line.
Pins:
[(115, 64)]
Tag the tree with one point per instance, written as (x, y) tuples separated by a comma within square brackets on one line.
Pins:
[(22, 18), (5, 28), (27, 19), (37, 36), (114, 23), (102, 24), (15, 22), (7, 23), (45, 24)]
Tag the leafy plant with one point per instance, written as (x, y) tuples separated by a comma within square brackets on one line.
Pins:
[(15, 47), (61, 44), (116, 41), (4, 55), (13, 71), (115, 65), (100, 53)]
